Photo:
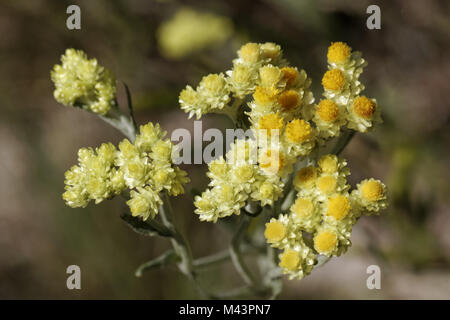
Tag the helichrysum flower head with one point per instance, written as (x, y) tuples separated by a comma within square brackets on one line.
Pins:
[(189, 31), (83, 83), (144, 167), (363, 113), (371, 195), (211, 95), (338, 52), (287, 130), (324, 210)]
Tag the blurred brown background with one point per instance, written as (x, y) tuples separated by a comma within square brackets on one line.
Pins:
[(408, 73)]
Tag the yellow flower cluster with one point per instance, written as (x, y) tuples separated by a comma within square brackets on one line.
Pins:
[(287, 130), (325, 212), (82, 82), (189, 31), (236, 180), (278, 114), (344, 106), (144, 167)]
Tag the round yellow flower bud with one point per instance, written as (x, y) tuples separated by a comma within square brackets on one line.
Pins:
[(338, 207), (325, 242), (249, 52), (298, 131), (338, 52), (289, 100), (265, 96), (333, 80), (270, 50), (275, 231), (328, 163), (271, 122), (327, 184), (266, 190), (327, 110), (372, 190), (269, 76), (364, 107), (290, 259), (305, 177), (303, 207)]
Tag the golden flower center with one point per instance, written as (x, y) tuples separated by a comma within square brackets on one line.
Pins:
[(338, 207), (289, 100), (364, 107), (328, 163), (290, 259), (265, 96), (327, 184), (372, 190), (298, 131), (275, 231), (338, 52), (333, 80), (271, 122), (325, 242), (327, 110), (305, 177)]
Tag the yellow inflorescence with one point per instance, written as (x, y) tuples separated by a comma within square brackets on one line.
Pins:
[(271, 122), (328, 110), (305, 177), (275, 231), (338, 207), (289, 100), (328, 163), (276, 96), (364, 107), (333, 80), (249, 52), (338, 52), (372, 190), (263, 95), (82, 82), (327, 184), (303, 207), (298, 130), (325, 242), (290, 259), (144, 167), (269, 76)]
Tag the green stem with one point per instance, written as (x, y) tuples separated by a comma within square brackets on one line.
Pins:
[(211, 260), (343, 141), (159, 262), (178, 242), (117, 119), (238, 260), (130, 105)]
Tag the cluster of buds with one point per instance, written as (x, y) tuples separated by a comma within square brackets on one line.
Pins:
[(83, 83), (144, 168), (321, 218), (287, 130)]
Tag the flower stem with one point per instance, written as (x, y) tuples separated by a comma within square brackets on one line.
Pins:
[(342, 142), (117, 119)]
